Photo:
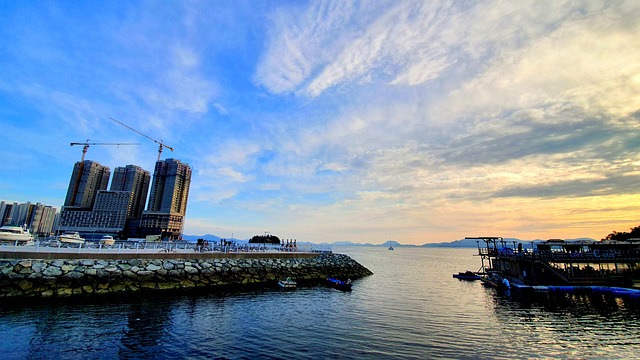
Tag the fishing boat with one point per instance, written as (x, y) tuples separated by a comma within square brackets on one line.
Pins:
[(467, 275), (71, 238), (11, 234), (390, 246), (339, 284), (560, 264), (107, 240), (287, 283)]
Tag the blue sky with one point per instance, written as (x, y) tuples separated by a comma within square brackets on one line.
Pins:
[(417, 121)]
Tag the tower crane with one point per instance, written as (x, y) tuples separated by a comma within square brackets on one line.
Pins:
[(148, 137), (86, 145)]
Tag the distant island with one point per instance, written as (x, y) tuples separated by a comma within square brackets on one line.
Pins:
[(462, 243)]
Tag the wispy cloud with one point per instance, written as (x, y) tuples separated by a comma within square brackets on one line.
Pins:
[(473, 101), (423, 119)]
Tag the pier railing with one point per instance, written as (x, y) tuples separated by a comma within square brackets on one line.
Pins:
[(594, 256), (133, 247)]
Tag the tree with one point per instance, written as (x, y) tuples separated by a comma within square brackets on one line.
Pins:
[(621, 235), (265, 239)]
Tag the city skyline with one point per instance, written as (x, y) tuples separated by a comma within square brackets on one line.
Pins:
[(92, 209), (415, 121)]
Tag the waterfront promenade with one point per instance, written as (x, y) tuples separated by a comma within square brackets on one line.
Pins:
[(57, 270), (155, 250)]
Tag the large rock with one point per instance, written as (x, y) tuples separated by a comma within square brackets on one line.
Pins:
[(61, 278), (52, 271)]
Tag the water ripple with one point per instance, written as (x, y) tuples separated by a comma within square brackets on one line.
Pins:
[(411, 308)]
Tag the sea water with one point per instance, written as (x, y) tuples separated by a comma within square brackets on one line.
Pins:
[(411, 308)]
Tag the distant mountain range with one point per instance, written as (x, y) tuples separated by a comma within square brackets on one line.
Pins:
[(208, 237), (462, 243)]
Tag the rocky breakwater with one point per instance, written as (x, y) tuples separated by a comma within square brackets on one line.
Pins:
[(46, 278)]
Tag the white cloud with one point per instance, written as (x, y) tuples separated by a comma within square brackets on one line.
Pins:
[(399, 116), (585, 61), (213, 196), (232, 153), (413, 43), (221, 109), (179, 85), (302, 41)]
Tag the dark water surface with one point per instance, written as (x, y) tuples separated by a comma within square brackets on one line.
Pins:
[(411, 308)]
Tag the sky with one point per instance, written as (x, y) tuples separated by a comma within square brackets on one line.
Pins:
[(322, 121)]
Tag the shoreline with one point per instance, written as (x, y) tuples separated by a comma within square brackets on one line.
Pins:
[(25, 276)]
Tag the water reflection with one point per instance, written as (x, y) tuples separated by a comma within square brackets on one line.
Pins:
[(411, 308), (147, 320), (576, 304), (564, 324)]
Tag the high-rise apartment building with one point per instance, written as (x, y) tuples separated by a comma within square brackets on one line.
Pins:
[(40, 219), (170, 188), (87, 179), (136, 180), (167, 200)]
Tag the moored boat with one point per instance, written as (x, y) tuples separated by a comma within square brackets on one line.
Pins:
[(15, 233), (339, 284), (107, 240), (71, 238), (288, 283), (560, 264), (467, 275)]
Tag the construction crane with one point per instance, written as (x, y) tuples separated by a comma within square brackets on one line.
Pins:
[(148, 137), (86, 145)]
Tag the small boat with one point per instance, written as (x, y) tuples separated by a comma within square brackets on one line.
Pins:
[(467, 275), (339, 284), (390, 246), (107, 240), (287, 283), (71, 238), (15, 233)]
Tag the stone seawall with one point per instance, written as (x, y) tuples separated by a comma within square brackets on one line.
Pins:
[(48, 278)]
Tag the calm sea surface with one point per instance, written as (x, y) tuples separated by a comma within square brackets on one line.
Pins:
[(411, 308)]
